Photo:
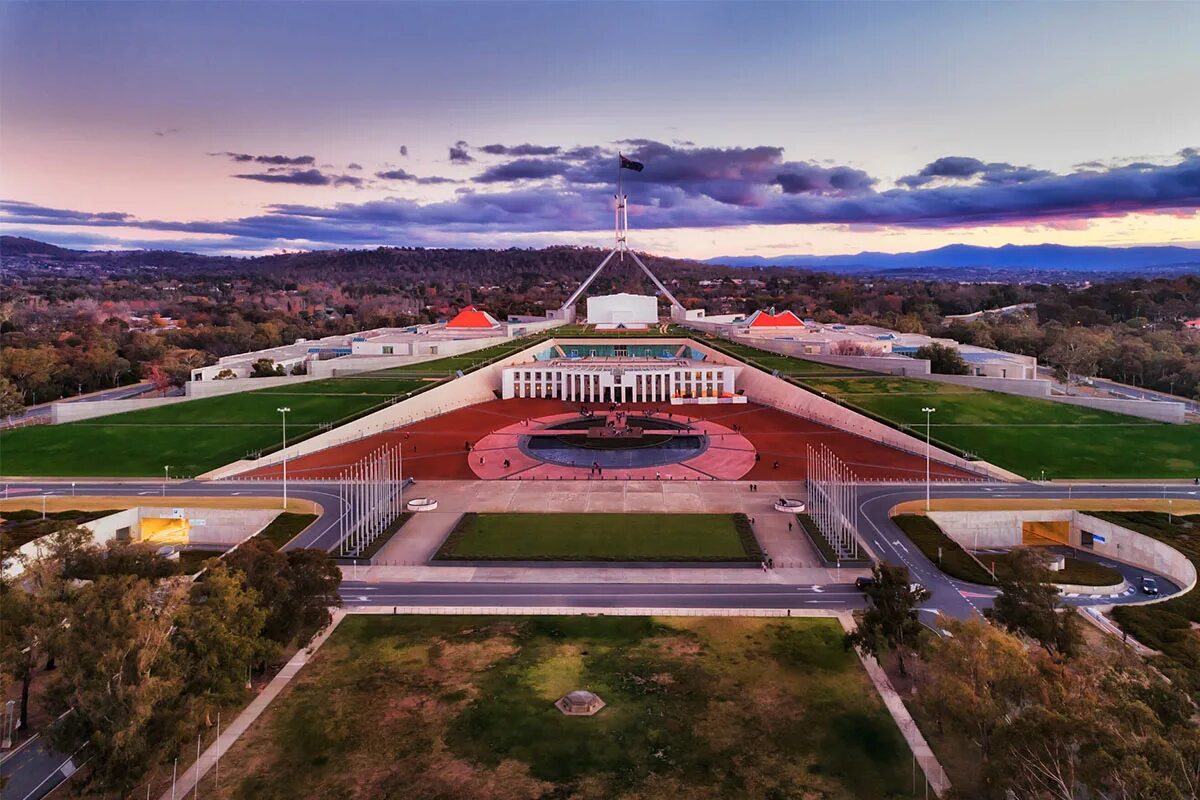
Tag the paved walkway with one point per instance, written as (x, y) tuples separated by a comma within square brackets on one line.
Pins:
[(598, 574), (922, 752), (186, 782)]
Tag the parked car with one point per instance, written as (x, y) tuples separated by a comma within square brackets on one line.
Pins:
[(862, 583), (1149, 586)]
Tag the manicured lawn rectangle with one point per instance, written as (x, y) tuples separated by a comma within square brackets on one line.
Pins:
[(601, 537), (786, 365), (463, 707)]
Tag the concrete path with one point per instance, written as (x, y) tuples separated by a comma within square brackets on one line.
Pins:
[(599, 574), (186, 782), (922, 752), (416, 542)]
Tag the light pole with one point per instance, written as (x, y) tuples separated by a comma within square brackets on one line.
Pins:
[(928, 412), (283, 412), (166, 477)]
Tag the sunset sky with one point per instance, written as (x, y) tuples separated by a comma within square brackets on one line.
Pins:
[(765, 128)]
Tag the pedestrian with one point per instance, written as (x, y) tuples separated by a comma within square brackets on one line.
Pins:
[(658, 476), (764, 566), (771, 562), (481, 460), (775, 465), (789, 527)]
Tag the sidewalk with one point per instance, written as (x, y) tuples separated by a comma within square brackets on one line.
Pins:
[(935, 775), (649, 574), (187, 781)]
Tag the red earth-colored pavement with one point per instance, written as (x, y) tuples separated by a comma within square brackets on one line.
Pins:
[(436, 448)]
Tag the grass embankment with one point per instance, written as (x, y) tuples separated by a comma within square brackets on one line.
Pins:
[(1173, 626), (441, 707), (21, 526), (383, 538), (956, 562), (601, 537), (1023, 434), (785, 365), (199, 435), (285, 527), (824, 548)]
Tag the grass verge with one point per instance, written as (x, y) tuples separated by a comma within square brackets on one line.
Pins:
[(463, 707), (286, 527), (374, 547), (600, 537)]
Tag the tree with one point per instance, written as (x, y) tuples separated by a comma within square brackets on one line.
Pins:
[(119, 678), (943, 359), (161, 380), (32, 369), (11, 402), (18, 638), (297, 588), (1029, 604), (974, 678), (220, 636), (265, 368), (890, 622)]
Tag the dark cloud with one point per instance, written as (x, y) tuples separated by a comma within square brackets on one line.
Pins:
[(693, 188), (965, 167), (459, 154), (523, 169), (405, 175), (294, 161), (354, 165), (167, 132), (520, 150), (301, 177)]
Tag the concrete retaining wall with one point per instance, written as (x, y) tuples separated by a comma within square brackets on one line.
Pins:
[(1135, 548), (984, 529), (1146, 409), (353, 365), (223, 526), (74, 412), (1019, 386), (216, 388)]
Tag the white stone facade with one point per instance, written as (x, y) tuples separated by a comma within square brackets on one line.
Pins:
[(633, 381), (615, 309)]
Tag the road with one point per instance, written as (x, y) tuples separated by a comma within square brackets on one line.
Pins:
[(955, 598), (119, 393)]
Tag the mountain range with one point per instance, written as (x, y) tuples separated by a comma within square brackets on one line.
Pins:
[(1010, 257)]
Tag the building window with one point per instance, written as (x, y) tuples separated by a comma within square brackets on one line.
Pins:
[(388, 350)]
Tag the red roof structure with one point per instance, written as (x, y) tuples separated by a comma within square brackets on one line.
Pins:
[(769, 319), (474, 319)]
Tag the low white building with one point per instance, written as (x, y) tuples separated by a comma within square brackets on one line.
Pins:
[(622, 309), (619, 380)]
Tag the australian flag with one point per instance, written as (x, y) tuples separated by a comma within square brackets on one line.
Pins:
[(626, 163)]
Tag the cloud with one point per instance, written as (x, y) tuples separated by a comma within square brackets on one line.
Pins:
[(520, 150), (685, 188), (295, 161), (522, 169), (963, 168), (405, 175), (301, 177), (354, 165), (459, 154), (167, 132), (404, 150)]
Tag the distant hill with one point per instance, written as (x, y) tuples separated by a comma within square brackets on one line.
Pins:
[(1009, 257), (20, 246)]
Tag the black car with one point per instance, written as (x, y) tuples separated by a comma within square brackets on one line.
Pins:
[(1149, 586), (863, 583)]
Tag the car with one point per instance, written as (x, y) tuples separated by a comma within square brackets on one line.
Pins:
[(1149, 586), (862, 583)]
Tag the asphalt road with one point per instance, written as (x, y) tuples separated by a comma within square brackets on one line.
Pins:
[(955, 598)]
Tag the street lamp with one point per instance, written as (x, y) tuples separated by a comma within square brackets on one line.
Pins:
[(927, 411), (166, 477), (283, 416)]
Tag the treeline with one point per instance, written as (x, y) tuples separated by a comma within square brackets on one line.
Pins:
[(1027, 707), (135, 659)]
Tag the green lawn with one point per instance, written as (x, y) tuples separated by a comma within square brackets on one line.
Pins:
[(286, 527), (602, 537), (1023, 434), (199, 435), (1173, 626), (462, 707)]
